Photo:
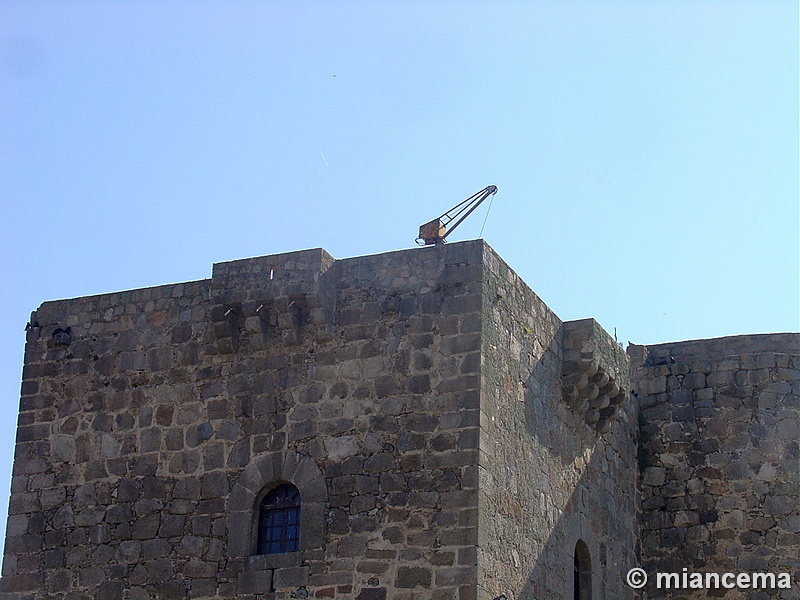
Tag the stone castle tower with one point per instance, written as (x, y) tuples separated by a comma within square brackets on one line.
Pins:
[(410, 425)]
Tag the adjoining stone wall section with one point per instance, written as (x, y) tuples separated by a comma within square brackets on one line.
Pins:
[(107, 483), (547, 478), (135, 438), (720, 427)]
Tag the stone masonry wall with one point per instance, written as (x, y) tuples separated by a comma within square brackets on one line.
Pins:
[(152, 422), (720, 427), (548, 478), (450, 437)]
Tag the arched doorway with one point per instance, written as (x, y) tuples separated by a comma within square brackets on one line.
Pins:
[(582, 572)]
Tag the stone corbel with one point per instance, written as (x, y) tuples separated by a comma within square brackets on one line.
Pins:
[(595, 374), (227, 325)]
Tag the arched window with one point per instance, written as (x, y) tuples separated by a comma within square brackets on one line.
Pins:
[(279, 521), (582, 572)]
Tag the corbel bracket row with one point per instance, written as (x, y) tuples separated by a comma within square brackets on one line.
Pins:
[(592, 392)]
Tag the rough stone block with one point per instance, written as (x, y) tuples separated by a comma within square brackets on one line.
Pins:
[(371, 594), (291, 577), (413, 577)]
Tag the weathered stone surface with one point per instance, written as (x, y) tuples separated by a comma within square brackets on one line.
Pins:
[(450, 438), (738, 443), (412, 577)]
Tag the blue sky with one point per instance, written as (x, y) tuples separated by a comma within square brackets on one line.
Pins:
[(646, 153)]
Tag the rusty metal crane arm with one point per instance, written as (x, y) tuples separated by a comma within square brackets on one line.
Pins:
[(435, 232)]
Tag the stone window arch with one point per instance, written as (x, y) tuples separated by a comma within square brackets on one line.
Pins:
[(264, 474), (582, 572)]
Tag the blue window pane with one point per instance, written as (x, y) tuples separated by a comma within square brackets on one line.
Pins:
[(279, 521)]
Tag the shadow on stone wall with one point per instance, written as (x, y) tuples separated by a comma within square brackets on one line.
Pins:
[(584, 484), (596, 513)]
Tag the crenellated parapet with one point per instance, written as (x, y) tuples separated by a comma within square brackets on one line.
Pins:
[(595, 373)]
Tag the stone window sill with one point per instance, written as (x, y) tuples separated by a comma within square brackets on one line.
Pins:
[(262, 562)]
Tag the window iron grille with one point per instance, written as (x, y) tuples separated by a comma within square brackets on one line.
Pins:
[(279, 521)]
